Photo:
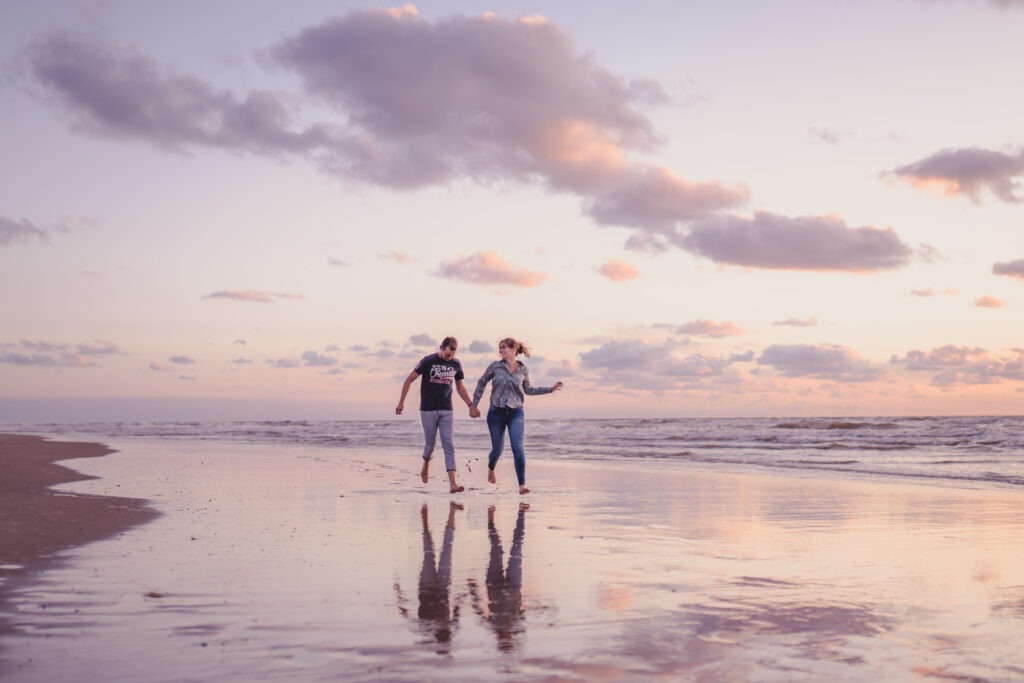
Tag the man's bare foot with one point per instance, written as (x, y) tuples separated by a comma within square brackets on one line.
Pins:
[(456, 489), (425, 472), (523, 490), (490, 477)]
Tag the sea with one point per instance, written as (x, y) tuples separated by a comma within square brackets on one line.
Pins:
[(985, 451)]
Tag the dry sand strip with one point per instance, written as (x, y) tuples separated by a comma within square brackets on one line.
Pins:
[(37, 522)]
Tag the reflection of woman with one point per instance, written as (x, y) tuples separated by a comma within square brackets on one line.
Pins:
[(505, 588), (510, 384), (436, 618)]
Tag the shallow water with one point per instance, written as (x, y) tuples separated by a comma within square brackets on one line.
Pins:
[(290, 563)]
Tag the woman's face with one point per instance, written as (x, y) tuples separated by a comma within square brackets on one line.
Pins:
[(507, 353)]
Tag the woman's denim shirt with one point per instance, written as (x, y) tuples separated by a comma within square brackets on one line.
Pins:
[(508, 389)]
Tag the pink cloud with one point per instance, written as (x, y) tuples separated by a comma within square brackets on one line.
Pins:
[(252, 295), (797, 322), (989, 302), (487, 268), (709, 328), (397, 257), (618, 270)]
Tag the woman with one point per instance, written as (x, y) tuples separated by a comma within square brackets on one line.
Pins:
[(510, 383)]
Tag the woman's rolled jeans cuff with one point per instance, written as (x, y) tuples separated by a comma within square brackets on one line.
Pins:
[(514, 420)]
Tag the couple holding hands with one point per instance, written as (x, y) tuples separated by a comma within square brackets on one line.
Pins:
[(510, 384)]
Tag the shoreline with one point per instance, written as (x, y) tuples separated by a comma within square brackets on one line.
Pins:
[(37, 522)]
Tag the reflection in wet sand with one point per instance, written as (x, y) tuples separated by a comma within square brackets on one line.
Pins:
[(436, 619), (505, 611)]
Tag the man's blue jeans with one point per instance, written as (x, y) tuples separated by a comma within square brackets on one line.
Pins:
[(512, 419)]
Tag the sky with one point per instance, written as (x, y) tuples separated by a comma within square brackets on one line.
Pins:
[(240, 210)]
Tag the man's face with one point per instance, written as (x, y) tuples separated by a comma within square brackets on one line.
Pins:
[(447, 352)]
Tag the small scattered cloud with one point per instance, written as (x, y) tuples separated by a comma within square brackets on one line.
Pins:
[(487, 268), (964, 365), (797, 322), (778, 242), (618, 270), (182, 360), (241, 361), (318, 360), (21, 232), (422, 340), (337, 263), (99, 347), (825, 135), (239, 342), (926, 293), (397, 257), (480, 346), (640, 365), (41, 353), (709, 328), (966, 172), (252, 296), (989, 302), (1010, 268), (157, 367), (821, 361), (284, 363)]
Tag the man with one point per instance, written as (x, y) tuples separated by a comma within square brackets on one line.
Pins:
[(439, 371)]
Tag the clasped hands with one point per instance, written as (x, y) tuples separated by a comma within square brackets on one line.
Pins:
[(474, 411)]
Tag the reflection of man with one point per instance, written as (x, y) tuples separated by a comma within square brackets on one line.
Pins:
[(435, 618), (505, 588)]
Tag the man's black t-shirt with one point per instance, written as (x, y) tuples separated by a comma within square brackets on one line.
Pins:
[(439, 376)]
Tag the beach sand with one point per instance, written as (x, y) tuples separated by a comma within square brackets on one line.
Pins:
[(304, 564)]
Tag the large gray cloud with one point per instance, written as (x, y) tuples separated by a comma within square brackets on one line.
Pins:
[(967, 172), (811, 243), (420, 103)]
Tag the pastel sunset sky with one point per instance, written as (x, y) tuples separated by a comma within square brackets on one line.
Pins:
[(268, 210)]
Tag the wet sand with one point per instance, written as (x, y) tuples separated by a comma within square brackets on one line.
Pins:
[(318, 565), (37, 523)]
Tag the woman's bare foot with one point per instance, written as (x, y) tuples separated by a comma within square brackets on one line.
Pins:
[(456, 489), (425, 472), (490, 477), (523, 490)]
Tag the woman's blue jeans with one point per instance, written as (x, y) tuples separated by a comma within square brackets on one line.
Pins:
[(512, 419)]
